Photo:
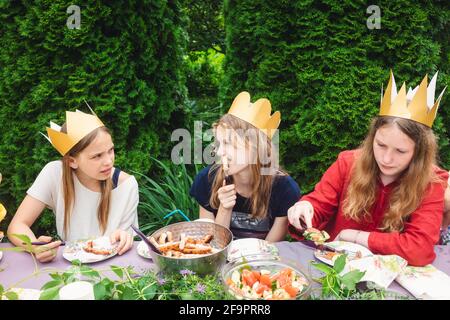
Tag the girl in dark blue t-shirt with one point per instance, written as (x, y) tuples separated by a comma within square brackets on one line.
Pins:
[(244, 190)]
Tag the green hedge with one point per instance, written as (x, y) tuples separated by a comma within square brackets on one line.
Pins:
[(126, 60), (319, 64)]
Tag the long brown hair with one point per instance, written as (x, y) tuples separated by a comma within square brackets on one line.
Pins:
[(407, 194), (262, 183), (68, 184)]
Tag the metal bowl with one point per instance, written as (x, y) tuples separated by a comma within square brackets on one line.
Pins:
[(257, 263), (202, 265)]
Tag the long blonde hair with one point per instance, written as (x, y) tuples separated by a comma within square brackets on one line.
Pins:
[(68, 184), (407, 194), (262, 183)]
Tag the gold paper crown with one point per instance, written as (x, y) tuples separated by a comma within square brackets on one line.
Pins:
[(417, 104), (257, 114), (78, 124)]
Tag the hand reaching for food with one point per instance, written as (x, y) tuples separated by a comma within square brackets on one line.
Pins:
[(302, 211)]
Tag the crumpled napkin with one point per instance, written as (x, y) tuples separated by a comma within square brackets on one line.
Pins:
[(380, 269), (426, 282)]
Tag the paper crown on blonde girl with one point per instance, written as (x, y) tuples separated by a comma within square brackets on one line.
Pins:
[(417, 104), (78, 125), (257, 113)]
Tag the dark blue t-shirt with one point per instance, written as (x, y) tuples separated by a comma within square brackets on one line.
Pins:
[(285, 193)]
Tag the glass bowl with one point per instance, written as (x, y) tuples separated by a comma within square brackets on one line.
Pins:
[(284, 274)]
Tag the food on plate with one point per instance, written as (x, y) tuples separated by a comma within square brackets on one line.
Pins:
[(333, 255), (186, 247), (265, 284), (100, 246), (313, 234)]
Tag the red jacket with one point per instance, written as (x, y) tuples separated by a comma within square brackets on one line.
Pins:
[(421, 232)]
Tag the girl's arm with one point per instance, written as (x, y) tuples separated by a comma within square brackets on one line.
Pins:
[(421, 232), (205, 214), (278, 231), (325, 198), (29, 210)]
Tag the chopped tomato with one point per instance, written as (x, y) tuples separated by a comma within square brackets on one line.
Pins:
[(283, 280), (265, 280), (292, 291), (257, 274), (261, 288), (248, 278)]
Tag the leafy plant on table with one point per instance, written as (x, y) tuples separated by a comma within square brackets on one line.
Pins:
[(26, 247), (133, 286), (335, 284)]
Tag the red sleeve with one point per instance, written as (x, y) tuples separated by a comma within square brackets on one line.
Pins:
[(416, 242), (326, 195)]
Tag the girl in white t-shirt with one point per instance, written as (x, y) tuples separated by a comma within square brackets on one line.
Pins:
[(89, 197)]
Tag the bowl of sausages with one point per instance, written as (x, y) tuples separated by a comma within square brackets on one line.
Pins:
[(198, 246)]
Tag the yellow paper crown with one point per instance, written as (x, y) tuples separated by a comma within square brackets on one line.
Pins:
[(78, 124), (257, 114), (417, 104)]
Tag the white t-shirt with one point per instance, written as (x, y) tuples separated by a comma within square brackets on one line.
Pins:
[(84, 222)]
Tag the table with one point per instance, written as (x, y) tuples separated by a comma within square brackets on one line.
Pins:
[(17, 266)]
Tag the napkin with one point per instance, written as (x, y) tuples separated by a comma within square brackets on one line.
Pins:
[(425, 282), (379, 269)]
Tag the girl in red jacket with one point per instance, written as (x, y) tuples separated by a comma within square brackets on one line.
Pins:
[(388, 195)]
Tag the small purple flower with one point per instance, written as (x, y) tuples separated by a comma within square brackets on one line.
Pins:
[(136, 275), (186, 272), (200, 288), (161, 281)]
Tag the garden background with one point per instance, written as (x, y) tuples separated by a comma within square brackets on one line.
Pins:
[(151, 66)]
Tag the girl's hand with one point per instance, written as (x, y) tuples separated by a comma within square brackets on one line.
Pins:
[(46, 252), (227, 196), (125, 240), (302, 210)]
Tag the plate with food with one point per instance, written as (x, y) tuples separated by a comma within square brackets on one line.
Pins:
[(186, 246), (332, 250), (251, 248), (90, 250), (265, 280)]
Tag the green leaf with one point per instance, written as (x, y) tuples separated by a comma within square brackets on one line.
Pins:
[(117, 270), (52, 284), (350, 279), (55, 276), (1, 289), (26, 239), (149, 292), (339, 263), (99, 291), (128, 293), (12, 295), (89, 272), (77, 263), (49, 294), (322, 267), (14, 249)]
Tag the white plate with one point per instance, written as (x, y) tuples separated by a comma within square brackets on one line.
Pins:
[(251, 247), (143, 251), (342, 245), (74, 251)]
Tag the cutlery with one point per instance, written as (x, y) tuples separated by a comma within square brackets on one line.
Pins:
[(144, 238)]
